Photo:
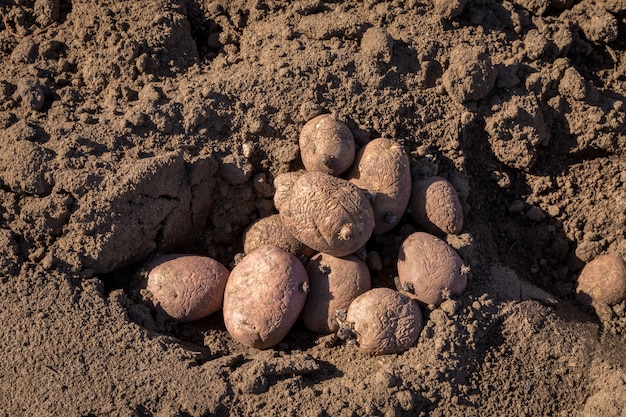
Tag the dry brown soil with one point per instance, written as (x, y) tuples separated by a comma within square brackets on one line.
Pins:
[(135, 128)]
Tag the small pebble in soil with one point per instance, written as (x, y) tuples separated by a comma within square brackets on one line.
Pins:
[(516, 206), (535, 214)]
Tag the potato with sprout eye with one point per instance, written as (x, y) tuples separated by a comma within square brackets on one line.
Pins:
[(327, 214), (264, 296), (334, 283), (383, 171), (326, 145), (187, 287), (382, 321), (429, 269)]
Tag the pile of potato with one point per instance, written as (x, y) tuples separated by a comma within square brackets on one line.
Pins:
[(326, 215)]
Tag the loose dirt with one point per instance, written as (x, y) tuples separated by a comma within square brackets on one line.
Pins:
[(134, 129)]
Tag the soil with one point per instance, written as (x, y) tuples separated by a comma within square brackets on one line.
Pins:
[(134, 129)]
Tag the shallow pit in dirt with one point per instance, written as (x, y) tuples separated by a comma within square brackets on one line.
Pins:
[(135, 129)]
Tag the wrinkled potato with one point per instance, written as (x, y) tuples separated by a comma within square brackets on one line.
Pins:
[(429, 269), (328, 214), (436, 207), (382, 169), (283, 183), (187, 287), (271, 231), (264, 296), (604, 280), (326, 145), (383, 321), (334, 283)]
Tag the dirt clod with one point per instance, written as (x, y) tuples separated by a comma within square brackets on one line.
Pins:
[(470, 75)]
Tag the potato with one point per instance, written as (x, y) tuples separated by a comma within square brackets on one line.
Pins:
[(333, 284), (328, 214), (264, 296), (382, 169), (326, 145), (603, 280), (187, 287), (435, 206), (429, 269), (383, 321), (270, 231), (283, 183)]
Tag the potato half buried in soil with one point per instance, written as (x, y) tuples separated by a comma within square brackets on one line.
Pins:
[(187, 287), (383, 321), (429, 269), (602, 280), (270, 231), (436, 207), (328, 214), (382, 169), (326, 145), (334, 283), (264, 296)]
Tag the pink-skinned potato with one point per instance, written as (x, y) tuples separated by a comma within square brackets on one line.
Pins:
[(333, 284), (187, 287), (602, 280), (435, 206), (327, 214), (429, 269), (326, 145), (283, 184), (383, 170), (383, 321), (264, 296), (270, 230)]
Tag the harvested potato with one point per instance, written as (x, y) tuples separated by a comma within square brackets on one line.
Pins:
[(283, 183), (382, 169), (429, 269), (334, 283), (383, 321), (271, 231), (187, 287), (603, 280), (326, 145), (436, 207), (328, 214), (264, 296)]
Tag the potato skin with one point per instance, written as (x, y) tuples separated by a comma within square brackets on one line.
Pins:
[(382, 169), (326, 145), (187, 287), (264, 296), (270, 231), (283, 184), (385, 321), (435, 206), (328, 214), (604, 280), (429, 269), (333, 284)]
